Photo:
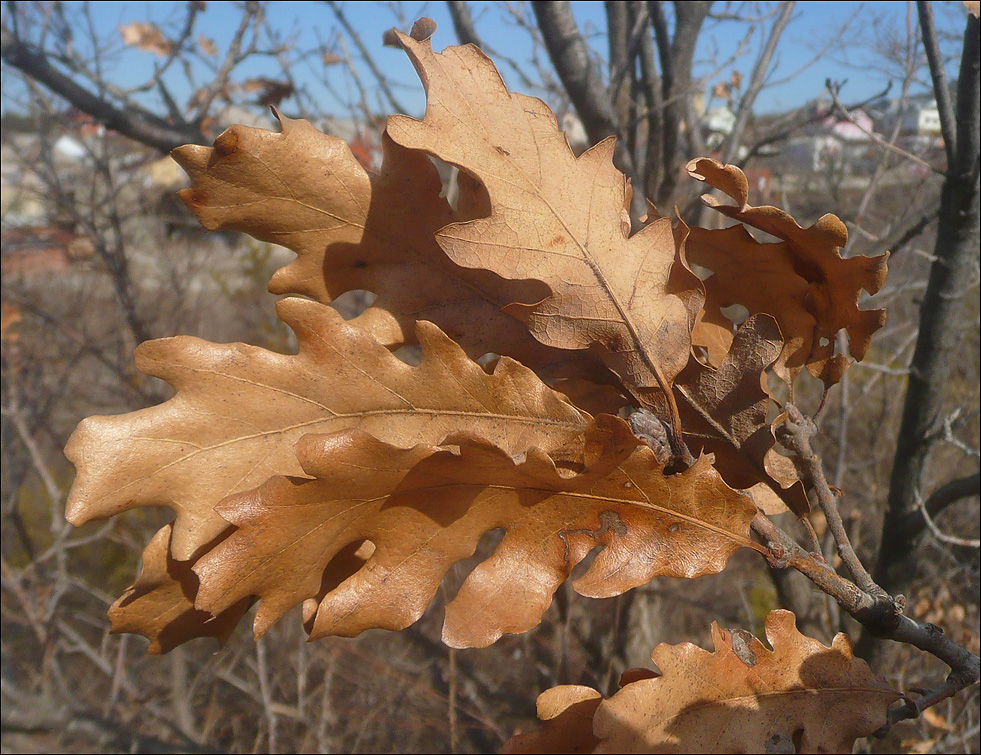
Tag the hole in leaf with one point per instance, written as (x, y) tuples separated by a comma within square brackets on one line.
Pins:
[(352, 303), (737, 313)]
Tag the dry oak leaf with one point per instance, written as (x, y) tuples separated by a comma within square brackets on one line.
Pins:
[(160, 604), (146, 37), (724, 412), (567, 711), (553, 218), (240, 409), (426, 508), (802, 281), (746, 698), (351, 230)]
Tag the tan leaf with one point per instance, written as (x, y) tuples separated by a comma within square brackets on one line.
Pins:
[(744, 697), (426, 508), (240, 409), (207, 45), (802, 281), (353, 230), (553, 217), (160, 604), (146, 37), (568, 715)]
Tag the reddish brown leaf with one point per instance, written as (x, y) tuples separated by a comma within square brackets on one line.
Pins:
[(802, 281), (724, 412)]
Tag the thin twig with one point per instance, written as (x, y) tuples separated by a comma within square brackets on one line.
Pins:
[(795, 434), (945, 108)]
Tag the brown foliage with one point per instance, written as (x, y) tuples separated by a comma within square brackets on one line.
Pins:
[(345, 480), (798, 697)]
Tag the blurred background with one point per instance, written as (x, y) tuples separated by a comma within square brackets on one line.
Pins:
[(864, 110)]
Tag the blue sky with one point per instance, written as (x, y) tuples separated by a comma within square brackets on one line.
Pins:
[(843, 36)]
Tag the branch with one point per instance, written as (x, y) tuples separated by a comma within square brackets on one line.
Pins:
[(756, 82), (954, 259), (949, 493), (881, 616), (570, 56), (795, 433), (466, 32), (366, 56), (232, 58), (940, 89), (147, 129)]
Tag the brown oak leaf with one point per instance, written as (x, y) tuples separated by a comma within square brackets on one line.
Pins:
[(351, 230), (802, 281), (147, 37), (724, 412), (426, 508), (160, 604), (240, 409), (553, 218), (568, 712), (742, 697)]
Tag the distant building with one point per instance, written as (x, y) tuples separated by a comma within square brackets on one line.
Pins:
[(717, 123)]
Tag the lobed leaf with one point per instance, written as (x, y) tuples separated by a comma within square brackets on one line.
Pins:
[(160, 604), (240, 409), (801, 696), (426, 508), (553, 218), (802, 281), (354, 230)]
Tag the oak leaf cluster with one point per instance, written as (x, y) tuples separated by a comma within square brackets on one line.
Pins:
[(621, 414)]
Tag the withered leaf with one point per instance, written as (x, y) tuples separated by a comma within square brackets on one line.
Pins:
[(724, 410), (160, 604), (426, 508), (353, 230), (147, 37), (553, 218), (207, 45), (742, 697), (240, 409), (802, 281), (568, 712)]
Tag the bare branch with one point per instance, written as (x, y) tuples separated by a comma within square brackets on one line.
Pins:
[(570, 56), (939, 75), (844, 113), (795, 434), (944, 496), (955, 255), (466, 32), (756, 81), (367, 57), (142, 127)]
